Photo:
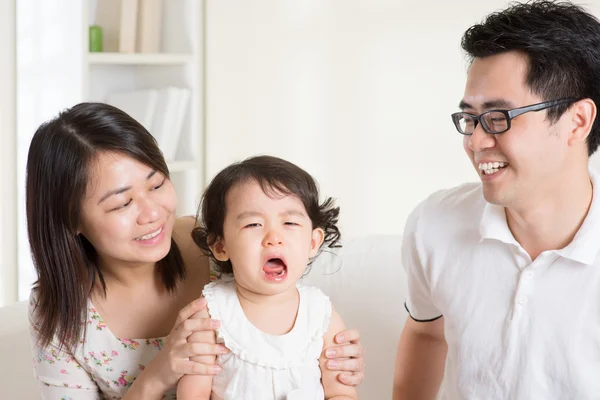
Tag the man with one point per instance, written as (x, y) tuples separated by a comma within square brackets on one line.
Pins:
[(504, 275)]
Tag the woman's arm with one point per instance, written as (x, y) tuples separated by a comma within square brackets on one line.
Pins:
[(198, 387), (61, 376), (334, 389)]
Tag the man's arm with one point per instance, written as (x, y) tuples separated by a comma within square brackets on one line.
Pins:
[(420, 360)]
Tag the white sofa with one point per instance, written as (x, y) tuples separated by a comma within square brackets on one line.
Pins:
[(366, 284)]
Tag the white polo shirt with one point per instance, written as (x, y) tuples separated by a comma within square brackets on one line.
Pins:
[(516, 329)]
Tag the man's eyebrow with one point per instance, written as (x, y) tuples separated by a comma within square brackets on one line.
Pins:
[(500, 103), (463, 104), (123, 189), (488, 105)]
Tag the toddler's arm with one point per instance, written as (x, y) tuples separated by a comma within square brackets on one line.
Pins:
[(198, 387), (334, 389)]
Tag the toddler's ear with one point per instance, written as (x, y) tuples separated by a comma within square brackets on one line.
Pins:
[(219, 251), (318, 235)]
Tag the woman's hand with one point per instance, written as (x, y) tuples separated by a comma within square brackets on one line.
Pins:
[(172, 362), (347, 357)]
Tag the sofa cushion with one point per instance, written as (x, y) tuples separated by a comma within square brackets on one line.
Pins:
[(366, 283), (16, 372), (364, 279)]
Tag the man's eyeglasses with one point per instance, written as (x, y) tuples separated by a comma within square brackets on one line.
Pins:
[(498, 121)]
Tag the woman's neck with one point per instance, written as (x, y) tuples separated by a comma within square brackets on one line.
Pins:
[(129, 275)]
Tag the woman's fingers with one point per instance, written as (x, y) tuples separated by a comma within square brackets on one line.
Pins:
[(179, 356), (189, 326), (345, 351), (354, 379), (348, 365), (204, 349), (186, 312), (349, 335), (196, 368)]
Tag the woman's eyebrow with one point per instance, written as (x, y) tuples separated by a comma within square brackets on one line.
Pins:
[(123, 189), (114, 192)]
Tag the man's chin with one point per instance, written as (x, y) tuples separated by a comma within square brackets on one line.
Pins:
[(492, 196)]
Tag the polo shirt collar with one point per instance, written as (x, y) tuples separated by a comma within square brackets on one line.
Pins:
[(584, 247)]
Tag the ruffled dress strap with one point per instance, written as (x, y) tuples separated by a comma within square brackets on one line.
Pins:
[(304, 341)]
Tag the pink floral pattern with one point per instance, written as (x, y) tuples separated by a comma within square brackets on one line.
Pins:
[(102, 365), (130, 344)]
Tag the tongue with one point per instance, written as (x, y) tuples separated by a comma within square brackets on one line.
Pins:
[(274, 266)]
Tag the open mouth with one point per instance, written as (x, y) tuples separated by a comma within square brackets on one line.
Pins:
[(275, 269), (151, 235), (491, 168)]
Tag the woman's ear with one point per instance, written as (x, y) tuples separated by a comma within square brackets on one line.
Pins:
[(218, 249), (318, 235)]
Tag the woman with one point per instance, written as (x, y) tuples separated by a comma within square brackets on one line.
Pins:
[(118, 274)]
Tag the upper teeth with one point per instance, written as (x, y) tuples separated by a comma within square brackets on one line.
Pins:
[(150, 235), (491, 165)]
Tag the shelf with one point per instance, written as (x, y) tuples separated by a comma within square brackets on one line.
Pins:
[(176, 63), (139, 58), (178, 166)]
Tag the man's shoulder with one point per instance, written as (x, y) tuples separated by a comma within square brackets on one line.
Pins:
[(446, 210), (465, 198)]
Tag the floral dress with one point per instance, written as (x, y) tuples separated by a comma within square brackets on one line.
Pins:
[(102, 366)]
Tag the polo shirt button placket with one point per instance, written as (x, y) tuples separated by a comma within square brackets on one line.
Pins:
[(521, 299)]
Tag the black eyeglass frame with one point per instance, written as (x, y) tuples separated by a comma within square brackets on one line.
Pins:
[(508, 114)]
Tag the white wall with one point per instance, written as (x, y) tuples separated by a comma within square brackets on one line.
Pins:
[(358, 93), (49, 78), (8, 196)]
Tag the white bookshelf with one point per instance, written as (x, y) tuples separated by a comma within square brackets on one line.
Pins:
[(54, 71), (182, 166), (114, 58), (179, 63)]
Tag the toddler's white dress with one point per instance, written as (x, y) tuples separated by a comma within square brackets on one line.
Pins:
[(268, 367)]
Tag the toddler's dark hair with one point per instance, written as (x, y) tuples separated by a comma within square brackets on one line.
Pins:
[(274, 175)]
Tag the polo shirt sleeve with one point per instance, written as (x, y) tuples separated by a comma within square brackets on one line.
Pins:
[(419, 303)]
